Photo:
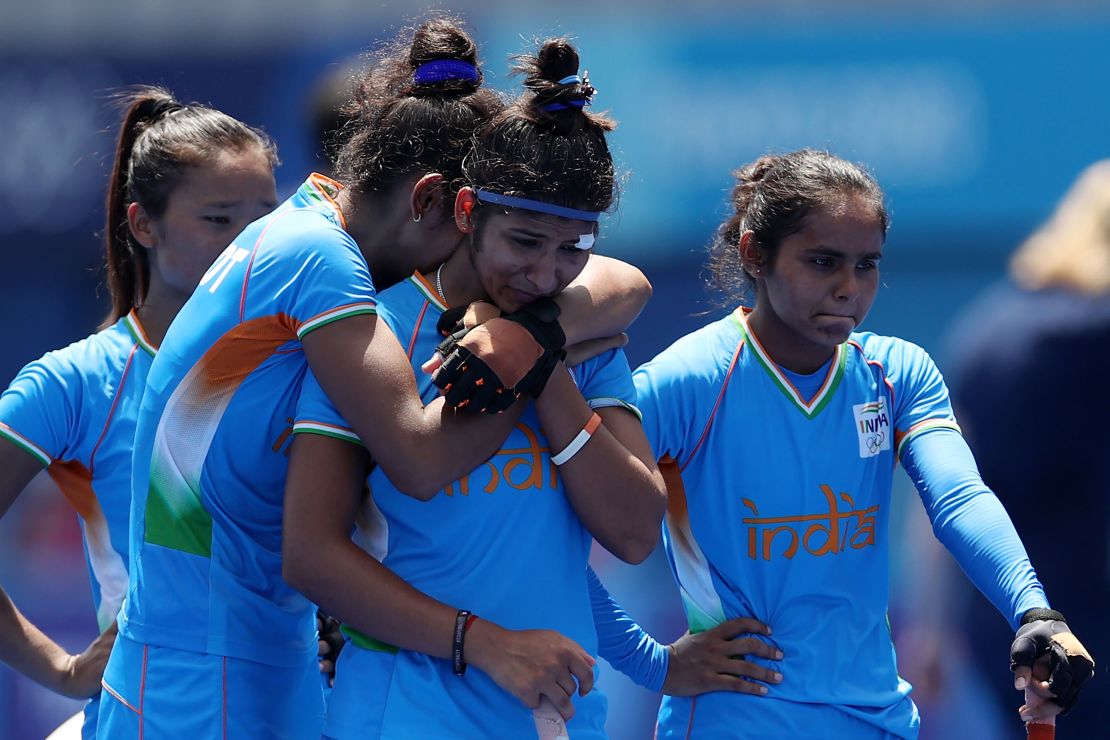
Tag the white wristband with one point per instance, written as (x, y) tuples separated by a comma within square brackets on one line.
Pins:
[(578, 442)]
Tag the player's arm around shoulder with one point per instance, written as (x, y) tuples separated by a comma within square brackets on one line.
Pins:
[(603, 300), (365, 372)]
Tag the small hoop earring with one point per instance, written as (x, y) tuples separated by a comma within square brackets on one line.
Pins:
[(417, 217)]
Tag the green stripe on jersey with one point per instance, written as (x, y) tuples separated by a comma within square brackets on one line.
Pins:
[(327, 318), (326, 430), (137, 335), (24, 444), (815, 405), (432, 297), (927, 426), (177, 521)]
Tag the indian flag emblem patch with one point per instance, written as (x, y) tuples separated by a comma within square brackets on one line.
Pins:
[(872, 427)]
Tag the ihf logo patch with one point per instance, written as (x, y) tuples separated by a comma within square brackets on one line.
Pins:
[(873, 427)]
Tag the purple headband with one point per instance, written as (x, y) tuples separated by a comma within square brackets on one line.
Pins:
[(441, 70)]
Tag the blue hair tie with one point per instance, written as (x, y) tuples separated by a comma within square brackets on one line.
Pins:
[(441, 70), (509, 201), (574, 103), (551, 107)]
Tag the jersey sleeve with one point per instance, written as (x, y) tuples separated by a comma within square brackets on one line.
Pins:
[(971, 522), (623, 643), (677, 390), (316, 414), (307, 269), (921, 400), (606, 381), (40, 410)]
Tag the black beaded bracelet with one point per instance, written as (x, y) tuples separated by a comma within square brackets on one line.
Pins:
[(1034, 614), (458, 663)]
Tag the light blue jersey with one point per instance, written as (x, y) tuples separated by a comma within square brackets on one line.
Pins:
[(779, 507), (74, 410), (210, 463), (208, 479), (502, 542)]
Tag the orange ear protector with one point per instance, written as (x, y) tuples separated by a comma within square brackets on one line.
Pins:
[(468, 208)]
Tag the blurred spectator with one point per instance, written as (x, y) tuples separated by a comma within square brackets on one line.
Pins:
[(1027, 360), (327, 111)]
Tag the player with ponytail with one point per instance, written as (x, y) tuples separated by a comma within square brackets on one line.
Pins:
[(185, 180)]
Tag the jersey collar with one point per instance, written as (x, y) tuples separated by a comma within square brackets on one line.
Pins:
[(428, 290), (138, 333), (321, 190), (833, 376)]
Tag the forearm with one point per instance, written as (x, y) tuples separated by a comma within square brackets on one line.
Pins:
[(323, 490), (351, 585), (619, 497), (623, 643), (25, 648), (971, 522), (603, 300)]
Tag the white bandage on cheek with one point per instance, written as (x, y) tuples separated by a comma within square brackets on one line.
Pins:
[(586, 241)]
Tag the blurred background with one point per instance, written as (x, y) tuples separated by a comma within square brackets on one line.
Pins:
[(975, 116)]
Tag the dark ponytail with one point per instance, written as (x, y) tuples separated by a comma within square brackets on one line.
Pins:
[(772, 198), (158, 139), (547, 145), (415, 109)]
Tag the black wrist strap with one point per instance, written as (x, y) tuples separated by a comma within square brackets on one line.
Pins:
[(1034, 614), (458, 662)]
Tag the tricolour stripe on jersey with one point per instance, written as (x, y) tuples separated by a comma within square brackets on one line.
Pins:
[(326, 430), (428, 290), (175, 514), (821, 398), (335, 314), (24, 444), (131, 321), (321, 190), (900, 438), (702, 604)]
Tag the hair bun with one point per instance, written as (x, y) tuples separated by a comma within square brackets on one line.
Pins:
[(552, 75), (753, 172), (556, 59), (443, 58)]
